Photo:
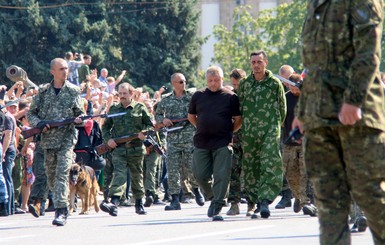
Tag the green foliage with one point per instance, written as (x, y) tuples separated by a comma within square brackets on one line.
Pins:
[(277, 31), (149, 39)]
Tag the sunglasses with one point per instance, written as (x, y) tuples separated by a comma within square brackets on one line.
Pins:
[(181, 81), (235, 75)]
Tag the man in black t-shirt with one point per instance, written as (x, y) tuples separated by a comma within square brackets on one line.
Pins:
[(215, 113)]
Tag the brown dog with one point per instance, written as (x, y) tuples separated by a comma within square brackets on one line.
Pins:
[(83, 182)]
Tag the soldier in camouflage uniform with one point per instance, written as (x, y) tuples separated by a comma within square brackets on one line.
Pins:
[(130, 156), (236, 166), (179, 142), (263, 107), (341, 112), (293, 156), (57, 100)]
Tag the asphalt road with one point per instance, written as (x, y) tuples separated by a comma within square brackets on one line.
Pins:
[(188, 226)]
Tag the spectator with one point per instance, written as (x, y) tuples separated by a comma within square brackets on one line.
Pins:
[(73, 66), (84, 71)]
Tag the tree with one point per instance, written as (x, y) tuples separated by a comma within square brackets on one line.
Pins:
[(277, 31), (149, 39), (33, 33), (157, 39)]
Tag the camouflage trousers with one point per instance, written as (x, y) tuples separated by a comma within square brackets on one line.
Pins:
[(344, 161), (295, 172), (57, 164), (108, 169), (17, 176), (39, 189), (235, 178), (123, 162), (151, 164), (262, 166), (179, 167)]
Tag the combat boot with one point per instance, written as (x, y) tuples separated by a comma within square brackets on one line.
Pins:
[(35, 208), (297, 205), (310, 209), (149, 199), (42, 208), (4, 209), (250, 208), (234, 209), (139, 209), (175, 204), (199, 199), (214, 211), (61, 215), (285, 201), (256, 211), (265, 212), (110, 208)]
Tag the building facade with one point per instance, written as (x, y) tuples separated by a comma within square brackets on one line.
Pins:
[(214, 12)]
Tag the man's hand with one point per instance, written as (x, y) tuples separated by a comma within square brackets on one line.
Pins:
[(111, 143), (141, 136), (78, 120), (349, 114), (43, 126), (167, 122), (297, 124)]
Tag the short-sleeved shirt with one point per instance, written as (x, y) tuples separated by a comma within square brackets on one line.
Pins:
[(10, 124), (214, 111)]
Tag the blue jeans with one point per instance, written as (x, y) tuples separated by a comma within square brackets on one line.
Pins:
[(8, 165), (3, 188)]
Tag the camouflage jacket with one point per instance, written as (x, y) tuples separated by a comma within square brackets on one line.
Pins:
[(46, 105), (341, 53), (263, 104), (172, 107), (136, 120)]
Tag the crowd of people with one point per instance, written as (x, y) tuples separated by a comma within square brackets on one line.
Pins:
[(225, 144)]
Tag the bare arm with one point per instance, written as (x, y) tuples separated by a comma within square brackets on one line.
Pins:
[(7, 136), (193, 119), (120, 77), (237, 123)]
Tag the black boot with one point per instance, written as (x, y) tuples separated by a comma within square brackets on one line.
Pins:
[(61, 215), (265, 212), (199, 199), (4, 209), (149, 199), (175, 204), (110, 208), (51, 207), (42, 208), (285, 201), (139, 207)]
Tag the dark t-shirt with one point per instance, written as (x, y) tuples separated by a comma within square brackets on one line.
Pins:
[(214, 112), (291, 101), (10, 124)]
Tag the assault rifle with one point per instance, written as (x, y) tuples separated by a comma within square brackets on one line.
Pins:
[(120, 141), (104, 148), (174, 120), (58, 123)]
